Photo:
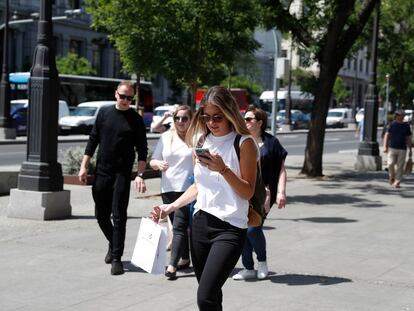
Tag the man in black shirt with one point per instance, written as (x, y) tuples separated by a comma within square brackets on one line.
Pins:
[(120, 132)]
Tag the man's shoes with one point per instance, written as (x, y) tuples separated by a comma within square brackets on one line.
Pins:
[(245, 274), (397, 184), (262, 270), (391, 181), (183, 264), (117, 267), (108, 257)]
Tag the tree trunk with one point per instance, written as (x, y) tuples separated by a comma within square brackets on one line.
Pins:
[(312, 165), (137, 87), (193, 91)]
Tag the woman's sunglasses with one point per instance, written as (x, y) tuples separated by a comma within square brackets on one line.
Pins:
[(249, 119), (122, 96), (215, 118), (181, 119)]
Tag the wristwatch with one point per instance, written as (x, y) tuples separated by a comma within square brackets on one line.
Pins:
[(141, 175)]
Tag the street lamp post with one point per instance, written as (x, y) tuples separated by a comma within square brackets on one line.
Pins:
[(6, 129), (368, 151), (40, 193), (387, 98), (275, 81)]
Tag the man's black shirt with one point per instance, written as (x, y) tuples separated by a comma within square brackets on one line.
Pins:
[(119, 135)]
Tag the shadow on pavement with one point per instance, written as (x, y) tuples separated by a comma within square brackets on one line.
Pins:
[(325, 219), (300, 279), (322, 199)]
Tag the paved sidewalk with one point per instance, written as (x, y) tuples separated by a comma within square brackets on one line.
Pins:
[(345, 242)]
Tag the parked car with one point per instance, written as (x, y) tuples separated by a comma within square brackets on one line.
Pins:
[(19, 120), (339, 117), (408, 117), (82, 117), (381, 116), (19, 111), (159, 113), (299, 120)]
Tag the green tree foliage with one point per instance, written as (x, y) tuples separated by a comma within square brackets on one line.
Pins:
[(305, 79), (75, 65), (243, 82), (340, 91), (188, 41), (326, 30), (396, 50)]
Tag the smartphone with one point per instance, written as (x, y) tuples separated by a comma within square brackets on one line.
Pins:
[(202, 152)]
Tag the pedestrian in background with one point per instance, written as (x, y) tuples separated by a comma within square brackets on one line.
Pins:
[(272, 164), (360, 129), (396, 141), (160, 126), (174, 159), (223, 185), (120, 132)]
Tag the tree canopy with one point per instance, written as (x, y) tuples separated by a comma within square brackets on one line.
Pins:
[(396, 50), (75, 65), (326, 30), (189, 41)]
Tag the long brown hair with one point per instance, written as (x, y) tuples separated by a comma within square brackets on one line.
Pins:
[(221, 98)]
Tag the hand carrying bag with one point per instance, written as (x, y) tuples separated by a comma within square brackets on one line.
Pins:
[(150, 248)]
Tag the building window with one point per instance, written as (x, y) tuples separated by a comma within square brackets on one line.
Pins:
[(97, 58), (74, 4), (56, 45), (75, 46)]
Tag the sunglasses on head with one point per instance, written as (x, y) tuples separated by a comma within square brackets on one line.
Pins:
[(123, 96), (248, 119), (181, 119), (215, 118)]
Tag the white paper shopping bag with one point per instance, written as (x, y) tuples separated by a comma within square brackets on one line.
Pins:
[(150, 248)]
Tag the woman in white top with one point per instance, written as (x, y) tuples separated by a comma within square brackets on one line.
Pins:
[(223, 185), (174, 159)]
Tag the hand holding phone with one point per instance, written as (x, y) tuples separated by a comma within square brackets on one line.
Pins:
[(202, 152)]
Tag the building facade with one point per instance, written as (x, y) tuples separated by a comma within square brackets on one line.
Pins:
[(73, 34), (355, 71)]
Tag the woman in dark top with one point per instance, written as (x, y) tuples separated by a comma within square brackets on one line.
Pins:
[(120, 133), (272, 163)]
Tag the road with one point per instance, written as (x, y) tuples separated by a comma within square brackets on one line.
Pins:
[(335, 141)]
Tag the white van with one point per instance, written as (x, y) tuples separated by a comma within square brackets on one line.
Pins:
[(24, 103), (82, 118), (339, 117)]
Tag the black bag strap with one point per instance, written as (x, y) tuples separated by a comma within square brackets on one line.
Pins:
[(237, 145)]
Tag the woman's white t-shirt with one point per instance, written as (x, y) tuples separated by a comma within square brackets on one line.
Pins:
[(215, 196), (179, 175)]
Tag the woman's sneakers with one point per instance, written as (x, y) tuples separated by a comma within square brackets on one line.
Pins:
[(262, 270), (245, 274)]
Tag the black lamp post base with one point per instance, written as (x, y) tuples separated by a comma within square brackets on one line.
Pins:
[(7, 133), (40, 176)]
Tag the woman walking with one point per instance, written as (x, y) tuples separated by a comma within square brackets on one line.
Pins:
[(223, 185), (174, 159), (272, 163)]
